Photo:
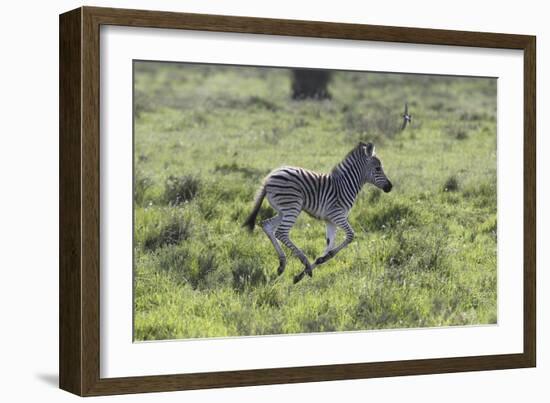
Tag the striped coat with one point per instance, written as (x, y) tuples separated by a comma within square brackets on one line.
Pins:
[(328, 197)]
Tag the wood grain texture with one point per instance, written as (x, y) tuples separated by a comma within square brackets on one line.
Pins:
[(305, 374), (530, 202), (70, 275), (80, 201), (317, 29), (90, 201)]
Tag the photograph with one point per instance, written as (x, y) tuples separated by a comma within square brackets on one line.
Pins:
[(284, 200)]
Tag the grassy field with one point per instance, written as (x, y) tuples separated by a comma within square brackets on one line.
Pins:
[(205, 136)]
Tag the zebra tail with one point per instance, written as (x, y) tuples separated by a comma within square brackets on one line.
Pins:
[(251, 219)]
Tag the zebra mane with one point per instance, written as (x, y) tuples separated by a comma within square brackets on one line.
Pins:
[(338, 168)]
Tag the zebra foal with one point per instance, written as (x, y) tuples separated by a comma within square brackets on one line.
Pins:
[(328, 197)]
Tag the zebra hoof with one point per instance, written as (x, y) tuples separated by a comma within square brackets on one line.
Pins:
[(320, 260), (323, 259), (280, 269), (298, 277)]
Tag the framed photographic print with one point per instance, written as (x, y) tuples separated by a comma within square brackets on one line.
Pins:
[(249, 201)]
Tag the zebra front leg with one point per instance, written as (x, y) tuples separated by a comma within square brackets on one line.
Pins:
[(270, 226), (342, 222), (331, 237)]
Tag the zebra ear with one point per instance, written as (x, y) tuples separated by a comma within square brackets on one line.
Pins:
[(369, 149)]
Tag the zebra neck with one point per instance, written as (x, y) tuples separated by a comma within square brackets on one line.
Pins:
[(349, 177)]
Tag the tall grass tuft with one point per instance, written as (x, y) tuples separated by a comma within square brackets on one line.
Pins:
[(176, 231), (142, 182), (247, 275), (451, 184), (181, 189)]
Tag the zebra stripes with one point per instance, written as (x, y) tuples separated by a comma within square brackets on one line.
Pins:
[(328, 197)]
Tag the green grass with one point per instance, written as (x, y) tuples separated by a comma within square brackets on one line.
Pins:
[(205, 136)]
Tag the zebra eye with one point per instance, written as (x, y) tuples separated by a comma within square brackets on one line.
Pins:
[(377, 169)]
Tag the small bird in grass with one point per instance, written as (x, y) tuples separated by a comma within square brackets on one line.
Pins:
[(406, 117)]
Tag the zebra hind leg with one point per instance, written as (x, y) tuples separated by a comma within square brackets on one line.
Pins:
[(270, 226), (282, 234), (284, 238)]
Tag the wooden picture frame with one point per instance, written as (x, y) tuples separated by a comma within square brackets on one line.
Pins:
[(79, 201)]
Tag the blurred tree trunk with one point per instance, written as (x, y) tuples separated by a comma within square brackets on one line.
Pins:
[(309, 83)]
